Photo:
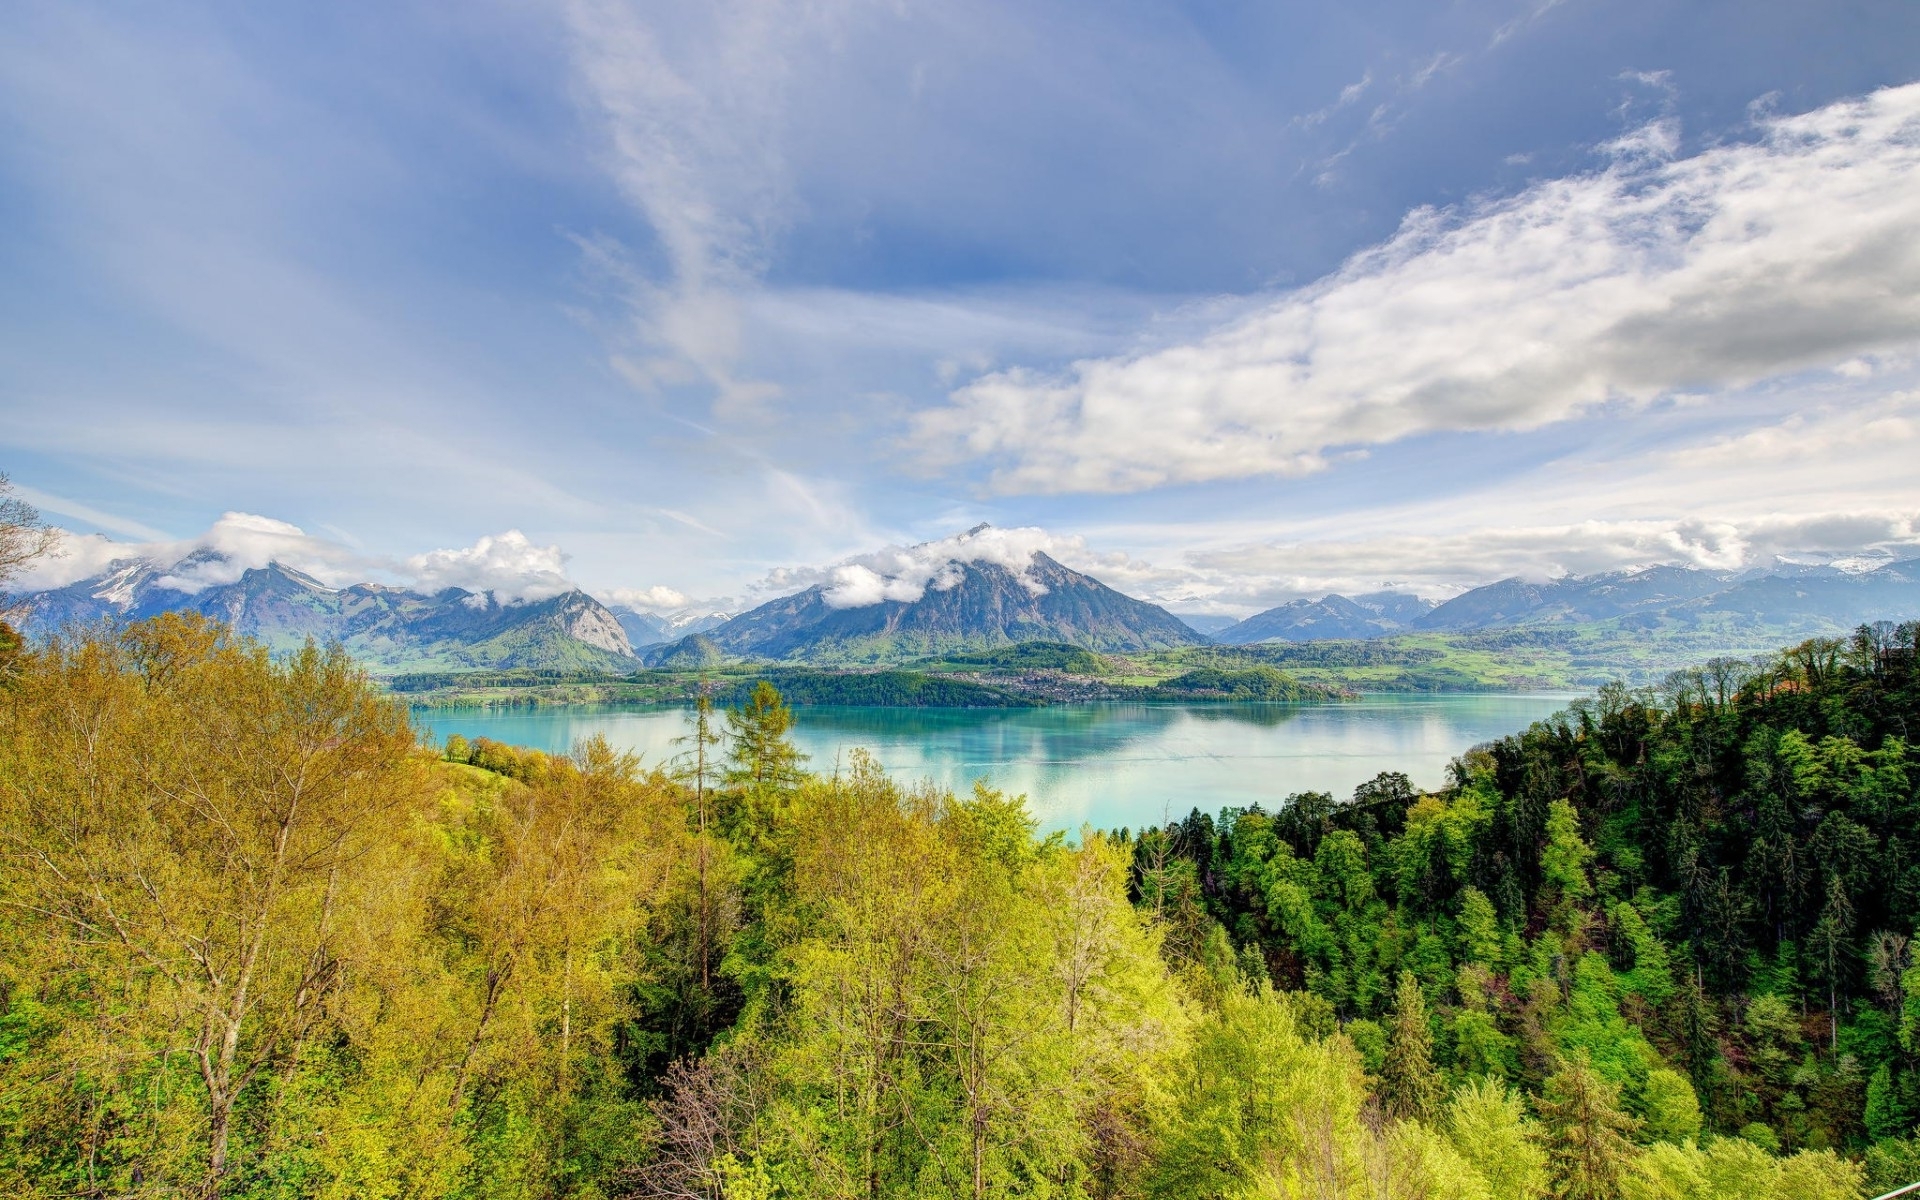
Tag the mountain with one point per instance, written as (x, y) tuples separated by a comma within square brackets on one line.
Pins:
[(654, 629), (1330, 618), (1326, 619), (1209, 624), (389, 629), (969, 606), (1782, 600), (1828, 595), (642, 628), (1402, 608), (1504, 603), (695, 652), (1789, 597), (1574, 598)]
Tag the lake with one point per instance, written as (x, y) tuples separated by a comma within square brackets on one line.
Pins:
[(1105, 764)]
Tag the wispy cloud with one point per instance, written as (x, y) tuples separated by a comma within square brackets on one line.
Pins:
[(47, 502), (691, 100), (1349, 96), (1441, 61), (1533, 13), (1797, 248)]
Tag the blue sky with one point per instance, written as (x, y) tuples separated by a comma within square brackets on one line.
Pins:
[(1234, 302)]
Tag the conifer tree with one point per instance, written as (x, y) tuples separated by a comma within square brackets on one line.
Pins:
[(703, 738), (1410, 1085), (1587, 1134), (761, 755)]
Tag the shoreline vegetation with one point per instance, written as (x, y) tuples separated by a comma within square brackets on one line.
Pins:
[(1028, 675), (256, 941), (1039, 673)]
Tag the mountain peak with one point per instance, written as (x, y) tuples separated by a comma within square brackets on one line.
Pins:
[(968, 604)]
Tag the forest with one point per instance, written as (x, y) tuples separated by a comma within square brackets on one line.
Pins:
[(257, 941)]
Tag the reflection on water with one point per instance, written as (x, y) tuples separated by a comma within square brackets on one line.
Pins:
[(1104, 764)]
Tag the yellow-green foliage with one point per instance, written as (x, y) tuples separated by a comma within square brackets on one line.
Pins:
[(968, 1004), (254, 942), (1736, 1169)]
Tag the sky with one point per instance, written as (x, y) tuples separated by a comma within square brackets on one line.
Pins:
[(1225, 303)]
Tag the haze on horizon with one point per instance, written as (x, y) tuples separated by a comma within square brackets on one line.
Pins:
[(1225, 305)]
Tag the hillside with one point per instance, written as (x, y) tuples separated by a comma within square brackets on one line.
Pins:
[(1649, 949), (387, 629)]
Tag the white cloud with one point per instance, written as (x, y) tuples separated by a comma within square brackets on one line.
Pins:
[(236, 542), (906, 573), (1746, 261), (239, 541), (75, 556), (692, 101), (508, 565), (1827, 474), (1842, 437), (1349, 95), (658, 598), (1440, 564), (61, 506)]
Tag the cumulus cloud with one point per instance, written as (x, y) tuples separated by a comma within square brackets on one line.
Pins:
[(906, 573), (1822, 481), (236, 542), (508, 564), (1798, 248), (658, 598)]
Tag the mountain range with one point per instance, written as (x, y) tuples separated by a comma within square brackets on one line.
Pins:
[(389, 629), (1791, 598), (965, 607), (1330, 618), (645, 629)]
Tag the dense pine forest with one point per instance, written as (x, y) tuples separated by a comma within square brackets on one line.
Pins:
[(256, 941)]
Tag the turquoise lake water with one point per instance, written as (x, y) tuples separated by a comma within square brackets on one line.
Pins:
[(1105, 764)]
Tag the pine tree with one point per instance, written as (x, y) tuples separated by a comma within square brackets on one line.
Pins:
[(1587, 1134), (1410, 1085), (1830, 948), (761, 755)]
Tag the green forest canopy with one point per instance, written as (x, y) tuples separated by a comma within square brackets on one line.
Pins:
[(258, 942)]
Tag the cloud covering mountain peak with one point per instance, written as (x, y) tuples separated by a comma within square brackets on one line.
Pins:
[(906, 573), (509, 565)]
